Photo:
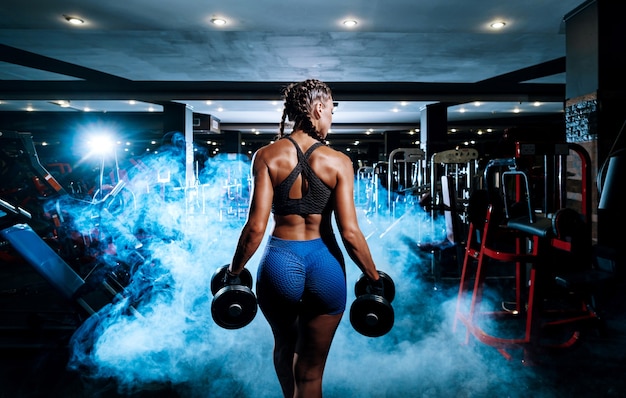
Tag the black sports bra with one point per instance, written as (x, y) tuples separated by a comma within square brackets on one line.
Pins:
[(314, 199)]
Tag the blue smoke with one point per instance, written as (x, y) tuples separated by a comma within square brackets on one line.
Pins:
[(159, 331)]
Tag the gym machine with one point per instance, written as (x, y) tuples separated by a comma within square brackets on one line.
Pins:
[(406, 175), (539, 241), (399, 179), (364, 187), (451, 175), (35, 230)]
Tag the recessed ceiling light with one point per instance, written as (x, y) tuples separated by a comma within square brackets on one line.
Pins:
[(74, 20), (498, 24), (350, 23), (218, 21)]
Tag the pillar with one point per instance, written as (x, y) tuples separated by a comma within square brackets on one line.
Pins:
[(392, 141), (434, 128), (232, 142), (179, 117)]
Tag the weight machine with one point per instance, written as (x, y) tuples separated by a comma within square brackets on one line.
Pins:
[(402, 176), (406, 175), (451, 174), (364, 188), (524, 230)]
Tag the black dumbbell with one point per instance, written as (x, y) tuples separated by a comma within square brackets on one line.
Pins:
[(234, 305), (372, 314)]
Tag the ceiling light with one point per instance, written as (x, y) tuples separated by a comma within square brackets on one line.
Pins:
[(349, 23), (498, 24), (74, 20), (218, 21)]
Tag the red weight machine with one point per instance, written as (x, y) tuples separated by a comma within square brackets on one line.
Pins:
[(526, 247)]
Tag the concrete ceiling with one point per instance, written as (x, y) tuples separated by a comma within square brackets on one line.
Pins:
[(401, 56)]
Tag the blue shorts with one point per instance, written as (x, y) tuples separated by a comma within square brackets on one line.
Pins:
[(299, 278)]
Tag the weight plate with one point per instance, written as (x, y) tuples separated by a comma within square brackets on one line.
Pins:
[(360, 287), (234, 307), (371, 315)]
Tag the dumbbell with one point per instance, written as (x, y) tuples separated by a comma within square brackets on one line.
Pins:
[(371, 314), (233, 306)]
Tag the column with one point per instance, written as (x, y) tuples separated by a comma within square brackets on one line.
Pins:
[(434, 128), (179, 117)]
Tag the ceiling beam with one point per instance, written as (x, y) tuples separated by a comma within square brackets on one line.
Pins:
[(545, 69), (158, 91), (36, 61)]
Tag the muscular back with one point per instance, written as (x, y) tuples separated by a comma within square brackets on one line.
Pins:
[(274, 163)]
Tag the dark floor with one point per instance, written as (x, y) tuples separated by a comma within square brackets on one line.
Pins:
[(36, 324)]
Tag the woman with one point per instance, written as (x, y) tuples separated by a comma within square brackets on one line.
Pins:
[(301, 283)]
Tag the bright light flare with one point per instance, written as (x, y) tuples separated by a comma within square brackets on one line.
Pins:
[(101, 144)]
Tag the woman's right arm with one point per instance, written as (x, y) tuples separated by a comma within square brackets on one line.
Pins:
[(347, 222), (258, 214)]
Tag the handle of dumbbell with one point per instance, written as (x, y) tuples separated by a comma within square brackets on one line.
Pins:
[(231, 279), (376, 287)]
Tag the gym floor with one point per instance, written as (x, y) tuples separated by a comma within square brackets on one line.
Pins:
[(36, 326)]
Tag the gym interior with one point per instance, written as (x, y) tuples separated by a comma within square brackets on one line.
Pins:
[(501, 253)]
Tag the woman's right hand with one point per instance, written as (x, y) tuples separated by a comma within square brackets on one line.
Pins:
[(376, 287)]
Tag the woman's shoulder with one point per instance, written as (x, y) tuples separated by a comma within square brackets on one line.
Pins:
[(331, 160), (334, 154), (271, 148), (275, 153)]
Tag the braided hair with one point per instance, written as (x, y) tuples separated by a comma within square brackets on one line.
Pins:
[(299, 100)]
